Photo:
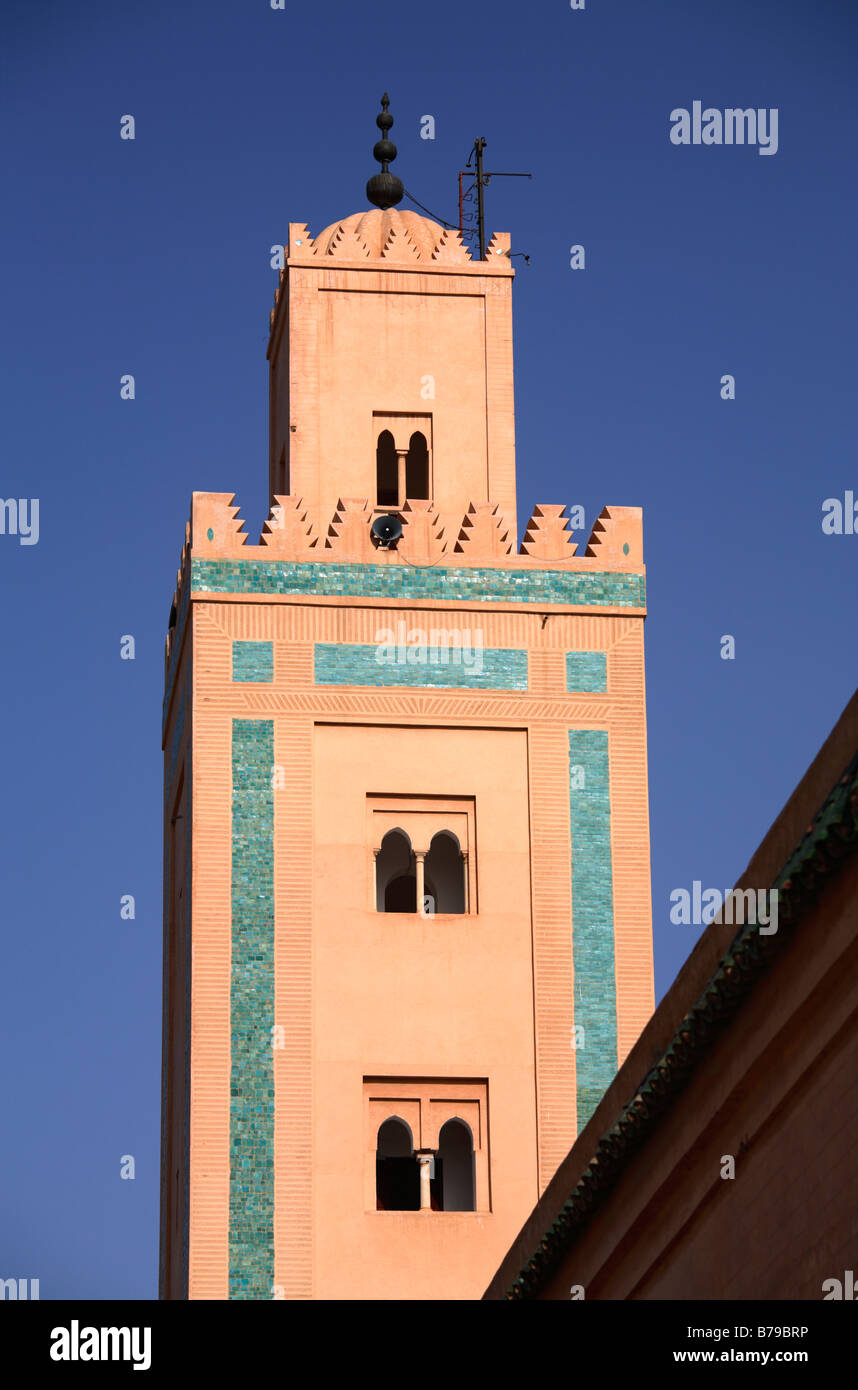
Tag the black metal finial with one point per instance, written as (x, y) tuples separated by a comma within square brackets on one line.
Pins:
[(385, 190)]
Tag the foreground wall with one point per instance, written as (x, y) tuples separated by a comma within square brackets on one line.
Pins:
[(756, 1059)]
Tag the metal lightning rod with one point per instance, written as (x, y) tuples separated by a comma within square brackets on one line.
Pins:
[(481, 181)]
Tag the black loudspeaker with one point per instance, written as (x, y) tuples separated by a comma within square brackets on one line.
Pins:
[(386, 531)]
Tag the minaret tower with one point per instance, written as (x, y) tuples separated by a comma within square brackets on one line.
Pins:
[(407, 909)]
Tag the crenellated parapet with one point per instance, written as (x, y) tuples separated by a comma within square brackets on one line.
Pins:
[(349, 530), (485, 533), (400, 238), (617, 537), (289, 529), (484, 537), (547, 535), (450, 249), (423, 535), (303, 553), (216, 526)]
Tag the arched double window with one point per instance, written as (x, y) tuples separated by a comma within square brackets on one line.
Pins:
[(401, 473), (407, 880), (443, 1180)]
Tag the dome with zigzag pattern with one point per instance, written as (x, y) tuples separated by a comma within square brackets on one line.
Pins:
[(400, 233)]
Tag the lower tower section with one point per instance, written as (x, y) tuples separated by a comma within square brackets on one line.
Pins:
[(416, 941)]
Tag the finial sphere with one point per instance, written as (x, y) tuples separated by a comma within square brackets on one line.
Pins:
[(384, 189), (384, 150)]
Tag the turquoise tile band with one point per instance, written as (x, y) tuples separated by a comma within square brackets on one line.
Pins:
[(251, 1116), (592, 918), (601, 588), (422, 666)]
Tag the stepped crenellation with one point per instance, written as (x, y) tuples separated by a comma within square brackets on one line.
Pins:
[(485, 535), (484, 538)]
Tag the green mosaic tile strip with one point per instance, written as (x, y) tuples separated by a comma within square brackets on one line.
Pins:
[(456, 585), (587, 671), (253, 661), (424, 666), (592, 917), (251, 1127)]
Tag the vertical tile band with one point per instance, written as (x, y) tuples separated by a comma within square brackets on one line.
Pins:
[(592, 918), (251, 1114)]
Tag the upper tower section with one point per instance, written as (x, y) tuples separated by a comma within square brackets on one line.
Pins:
[(391, 374)]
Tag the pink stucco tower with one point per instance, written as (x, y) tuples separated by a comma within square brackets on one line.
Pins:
[(407, 914)]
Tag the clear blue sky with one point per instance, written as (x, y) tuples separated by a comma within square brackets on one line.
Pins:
[(152, 257)]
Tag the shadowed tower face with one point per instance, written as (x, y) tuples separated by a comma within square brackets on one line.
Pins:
[(407, 932)]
